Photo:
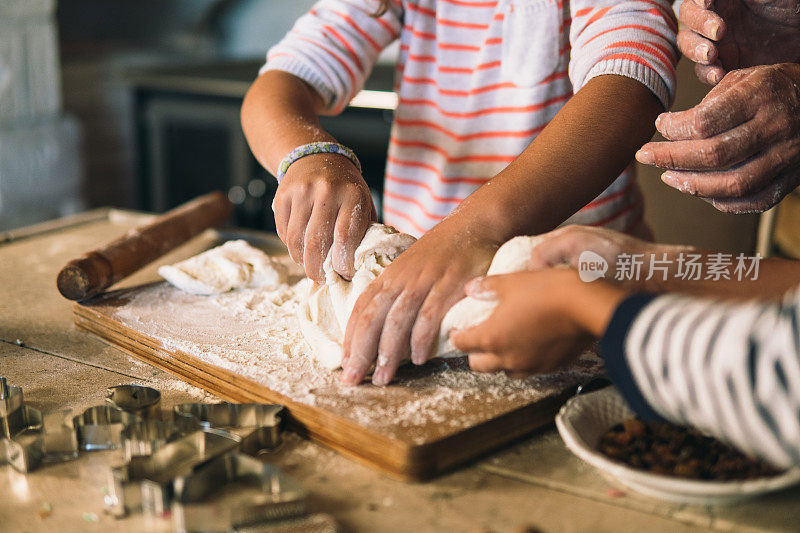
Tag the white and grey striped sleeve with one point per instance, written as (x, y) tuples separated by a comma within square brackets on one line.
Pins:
[(731, 369)]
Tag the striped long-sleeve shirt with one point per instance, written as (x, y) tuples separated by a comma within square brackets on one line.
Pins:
[(477, 80), (730, 369)]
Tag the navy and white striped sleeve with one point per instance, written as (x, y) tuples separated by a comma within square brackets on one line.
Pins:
[(731, 369)]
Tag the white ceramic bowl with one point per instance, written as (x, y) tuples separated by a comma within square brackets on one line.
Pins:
[(583, 419)]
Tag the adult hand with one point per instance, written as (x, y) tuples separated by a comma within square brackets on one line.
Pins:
[(323, 203), (564, 246), (400, 313), (543, 320), (724, 35), (739, 148)]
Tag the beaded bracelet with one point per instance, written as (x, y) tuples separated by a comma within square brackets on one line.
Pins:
[(316, 148)]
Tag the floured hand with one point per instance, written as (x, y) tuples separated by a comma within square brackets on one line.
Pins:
[(400, 313), (324, 311), (322, 205), (739, 149), (542, 320), (725, 35)]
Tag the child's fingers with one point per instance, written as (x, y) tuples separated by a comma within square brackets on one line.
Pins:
[(487, 287), (485, 362), (479, 289), (319, 236), (476, 339), (296, 228), (696, 47), (425, 331), (352, 223), (282, 207), (393, 344), (363, 333), (703, 21), (395, 337)]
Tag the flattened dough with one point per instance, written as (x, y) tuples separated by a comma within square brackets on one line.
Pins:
[(324, 312), (234, 265), (513, 256)]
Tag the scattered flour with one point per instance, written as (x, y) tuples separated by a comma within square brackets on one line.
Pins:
[(254, 333)]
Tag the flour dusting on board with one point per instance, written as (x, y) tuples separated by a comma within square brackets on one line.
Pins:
[(254, 333)]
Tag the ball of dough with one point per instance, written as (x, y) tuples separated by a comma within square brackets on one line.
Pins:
[(513, 256), (324, 312)]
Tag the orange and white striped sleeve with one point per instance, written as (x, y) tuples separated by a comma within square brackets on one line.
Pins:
[(334, 46), (633, 38)]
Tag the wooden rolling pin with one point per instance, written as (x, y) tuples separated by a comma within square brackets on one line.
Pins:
[(97, 270)]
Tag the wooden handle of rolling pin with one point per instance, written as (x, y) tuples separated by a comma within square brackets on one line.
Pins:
[(97, 270)]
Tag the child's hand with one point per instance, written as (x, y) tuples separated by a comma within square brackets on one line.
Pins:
[(543, 320), (400, 312), (323, 203)]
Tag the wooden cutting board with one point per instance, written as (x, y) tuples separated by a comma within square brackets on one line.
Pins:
[(429, 420)]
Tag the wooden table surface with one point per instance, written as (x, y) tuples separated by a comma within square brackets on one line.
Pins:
[(536, 482)]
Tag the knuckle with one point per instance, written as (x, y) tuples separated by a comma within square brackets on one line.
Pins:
[(281, 194), (365, 318), (425, 317), (323, 189), (301, 187), (782, 123), (700, 125), (570, 231), (768, 77)]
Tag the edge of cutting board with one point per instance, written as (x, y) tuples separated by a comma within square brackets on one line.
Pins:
[(406, 461)]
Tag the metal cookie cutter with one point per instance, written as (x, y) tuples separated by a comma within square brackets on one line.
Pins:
[(100, 427), (260, 424), (139, 400), (145, 437), (146, 482), (31, 437), (264, 495), (48, 437), (11, 412)]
